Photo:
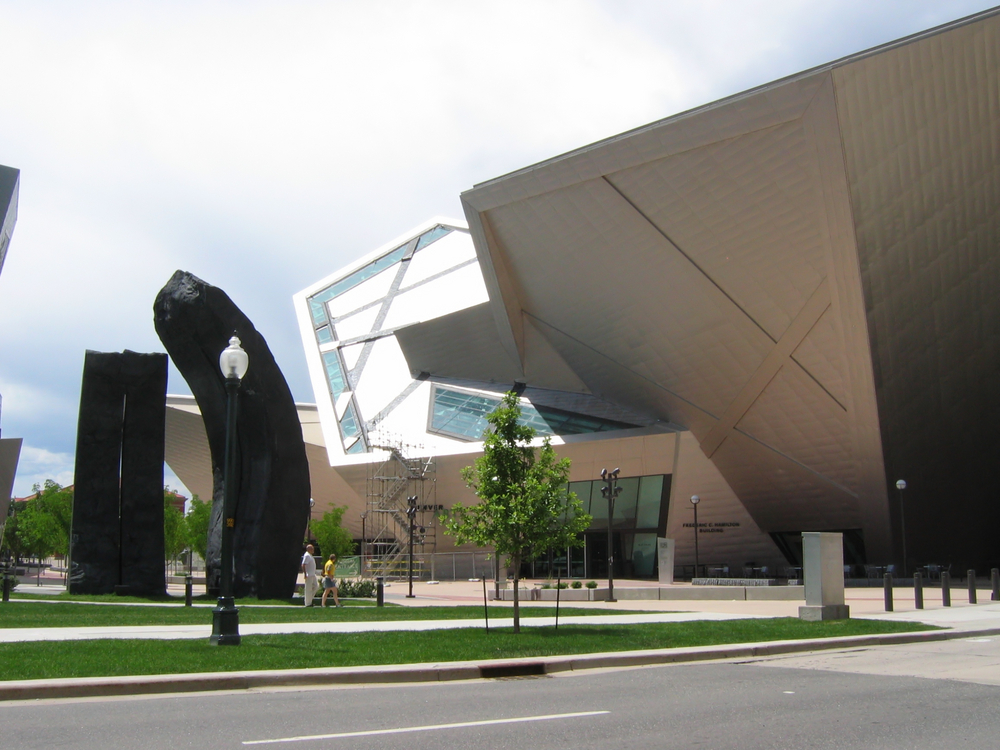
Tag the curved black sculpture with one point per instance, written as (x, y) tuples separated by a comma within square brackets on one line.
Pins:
[(194, 320)]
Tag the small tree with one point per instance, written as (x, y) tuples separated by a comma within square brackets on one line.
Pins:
[(525, 507), (175, 536), (196, 522), (330, 535)]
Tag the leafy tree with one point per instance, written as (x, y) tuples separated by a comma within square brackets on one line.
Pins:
[(330, 535), (11, 539), (196, 523), (175, 536), (44, 522), (525, 507)]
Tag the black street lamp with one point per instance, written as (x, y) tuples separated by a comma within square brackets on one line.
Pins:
[(611, 490), (226, 617), (901, 485), (694, 502), (411, 512)]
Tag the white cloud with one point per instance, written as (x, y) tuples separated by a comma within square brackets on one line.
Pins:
[(27, 402), (38, 464)]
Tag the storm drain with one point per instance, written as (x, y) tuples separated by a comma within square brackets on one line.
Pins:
[(512, 670)]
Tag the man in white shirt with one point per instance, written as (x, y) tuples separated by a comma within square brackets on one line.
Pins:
[(309, 569)]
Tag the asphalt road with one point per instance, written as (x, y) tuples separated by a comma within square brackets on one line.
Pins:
[(888, 697)]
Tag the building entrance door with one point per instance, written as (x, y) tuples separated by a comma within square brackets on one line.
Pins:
[(597, 554)]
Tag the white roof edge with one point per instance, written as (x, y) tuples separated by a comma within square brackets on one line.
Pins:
[(379, 252), (191, 399)]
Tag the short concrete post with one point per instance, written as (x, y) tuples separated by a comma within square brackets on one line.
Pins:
[(945, 588), (823, 566), (995, 580), (972, 586), (887, 591), (665, 560), (379, 591), (918, 590), (188, 590)]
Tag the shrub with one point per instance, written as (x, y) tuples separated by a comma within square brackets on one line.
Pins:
[(362, 588), (591, 584), (563, 585), (577, 584)]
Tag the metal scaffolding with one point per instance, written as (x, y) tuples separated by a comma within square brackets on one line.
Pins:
[(404, 472)]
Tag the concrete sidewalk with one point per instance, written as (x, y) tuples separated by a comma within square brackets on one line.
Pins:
[(174, 632)]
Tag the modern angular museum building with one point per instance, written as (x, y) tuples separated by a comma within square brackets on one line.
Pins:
[(782, 302)]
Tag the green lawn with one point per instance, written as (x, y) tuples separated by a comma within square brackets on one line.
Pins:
[(38, 660), (35, 614)]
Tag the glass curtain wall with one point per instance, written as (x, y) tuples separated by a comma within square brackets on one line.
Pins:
[(640, 516)]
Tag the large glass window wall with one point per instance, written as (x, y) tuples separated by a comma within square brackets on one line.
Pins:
[(462, 414), (317, 302), (640, 516)]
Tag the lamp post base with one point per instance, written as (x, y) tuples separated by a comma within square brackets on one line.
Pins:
[(225, 623)]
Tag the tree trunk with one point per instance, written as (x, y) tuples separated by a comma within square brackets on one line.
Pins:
[(516, 560)]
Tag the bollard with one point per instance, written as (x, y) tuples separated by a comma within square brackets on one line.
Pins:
[(945, 588), (995, 580), (558, 591), (887, 586), (918, 590), (188, 583), (379, 591), (972, 586), (486, 609)]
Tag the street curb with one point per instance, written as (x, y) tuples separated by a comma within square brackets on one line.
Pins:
[(90, 687)]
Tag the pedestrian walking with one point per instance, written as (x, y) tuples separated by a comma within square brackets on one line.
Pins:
[(309, 572), (329, 580)]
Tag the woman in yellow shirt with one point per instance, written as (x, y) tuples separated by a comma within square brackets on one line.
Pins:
[(329, 582)]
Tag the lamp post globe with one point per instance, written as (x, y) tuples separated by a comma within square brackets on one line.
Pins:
[(234, 363)]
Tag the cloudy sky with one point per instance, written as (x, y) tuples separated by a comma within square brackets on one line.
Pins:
[(263, 145)]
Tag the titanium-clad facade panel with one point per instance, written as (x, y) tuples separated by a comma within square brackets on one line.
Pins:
[(620, 385), (921, 133), (821, 355), (782, 494), (746, 211), (635, 307), (802, 422)]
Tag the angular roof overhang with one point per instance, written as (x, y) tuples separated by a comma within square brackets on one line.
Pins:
[(705, 270)]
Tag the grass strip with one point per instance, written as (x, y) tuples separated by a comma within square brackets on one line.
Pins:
[(37, 660), (34, 614)]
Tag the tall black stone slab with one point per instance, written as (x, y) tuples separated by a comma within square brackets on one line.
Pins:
[(143, 435), (117, 535), (194, 320), (96, 526)]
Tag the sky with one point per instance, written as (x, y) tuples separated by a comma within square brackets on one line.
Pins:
[(264, 145)]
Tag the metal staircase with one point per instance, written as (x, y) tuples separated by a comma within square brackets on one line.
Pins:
[(391, 482)]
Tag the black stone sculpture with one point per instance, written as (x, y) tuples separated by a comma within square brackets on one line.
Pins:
[(117, 536), (194, 320)]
